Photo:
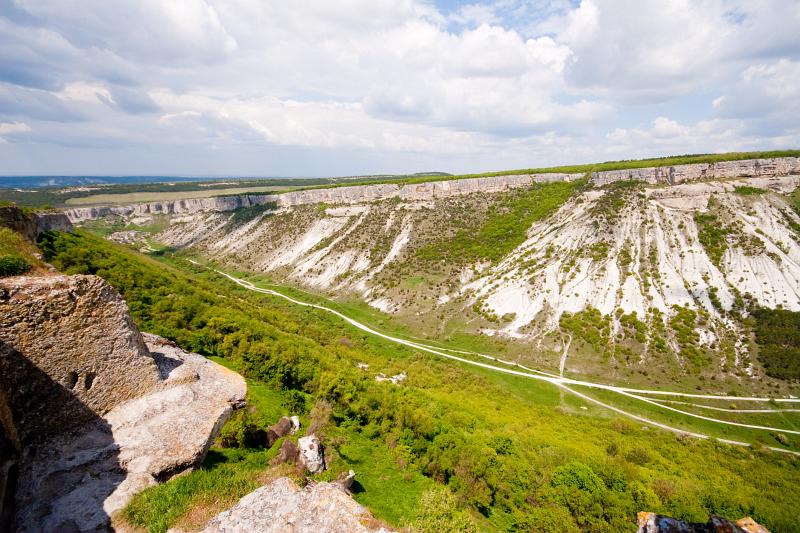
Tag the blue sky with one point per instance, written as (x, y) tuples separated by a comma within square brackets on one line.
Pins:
[(314, 87)]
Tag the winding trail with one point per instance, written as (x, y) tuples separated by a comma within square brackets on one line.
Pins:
[(558, 381)]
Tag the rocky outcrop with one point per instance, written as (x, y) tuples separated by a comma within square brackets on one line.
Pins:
[(672, 175), (77, 333), (173, 207), (278, 430), (654, 523), (283, 506), (92, 411), (311, 454), (30, 225)]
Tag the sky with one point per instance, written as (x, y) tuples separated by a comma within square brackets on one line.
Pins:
[(351, 87)]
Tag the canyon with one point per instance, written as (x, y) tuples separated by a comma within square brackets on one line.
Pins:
[(627, 255)]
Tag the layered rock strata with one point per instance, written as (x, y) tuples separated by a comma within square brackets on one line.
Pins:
[(93, 411), (173, 207), (672, 175), (333, 195), (354, 194)]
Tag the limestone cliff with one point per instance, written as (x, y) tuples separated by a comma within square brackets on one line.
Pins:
[(414, 192), (334, 195), (172, 207), (672, 175), (91, 410), (32, 224)]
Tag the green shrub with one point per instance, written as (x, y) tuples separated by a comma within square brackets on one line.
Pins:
[(439, 512), (241, 431), (551, 519), (12, 265), (638, 456), (746, 190), (295, 402), (778, 339), (577, 475)]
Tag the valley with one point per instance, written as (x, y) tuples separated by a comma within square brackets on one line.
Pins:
[(552, 351), (633, 281)]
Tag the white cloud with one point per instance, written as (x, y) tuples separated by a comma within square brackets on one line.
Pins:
[(400, 82), (11, 128)]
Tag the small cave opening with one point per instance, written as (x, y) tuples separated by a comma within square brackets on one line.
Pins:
[(72, 380), (88, 380)]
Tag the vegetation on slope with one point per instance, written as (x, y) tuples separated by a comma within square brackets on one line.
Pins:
[(778, 338), (505, 225), (17, 254), (498, 445)]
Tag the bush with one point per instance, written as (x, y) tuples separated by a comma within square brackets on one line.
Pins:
[(638, 456), (438, 512), (12, 265), (548, 520), (295, 402), (242, 432), (577, 475)]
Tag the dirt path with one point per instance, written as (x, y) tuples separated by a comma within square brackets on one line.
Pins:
[(558, 381)]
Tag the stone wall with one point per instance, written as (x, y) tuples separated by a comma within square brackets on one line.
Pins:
[(677, 174)]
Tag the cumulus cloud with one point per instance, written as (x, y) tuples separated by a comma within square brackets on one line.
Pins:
[(395, 85)]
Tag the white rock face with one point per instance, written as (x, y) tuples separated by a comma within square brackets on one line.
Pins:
[(282, 507), (311, 454), (704, 171), (418, 191), (97, 411), (172, 207)]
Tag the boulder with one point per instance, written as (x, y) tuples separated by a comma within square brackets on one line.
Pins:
[(69, 352), (280, 429), (288, 453), (345, 480), (282, 506), (655, 523), (311, 455), (295, 424), (92, 410)]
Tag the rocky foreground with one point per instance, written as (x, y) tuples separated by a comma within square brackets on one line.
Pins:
[(92, 410), (283, 506)]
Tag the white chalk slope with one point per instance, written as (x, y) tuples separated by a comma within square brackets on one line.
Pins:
[(646, 258)]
